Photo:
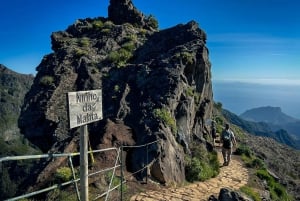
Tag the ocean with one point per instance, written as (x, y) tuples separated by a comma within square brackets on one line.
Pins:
[(238, 97)]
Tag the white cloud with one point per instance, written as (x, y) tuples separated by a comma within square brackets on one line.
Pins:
[(267, 81)]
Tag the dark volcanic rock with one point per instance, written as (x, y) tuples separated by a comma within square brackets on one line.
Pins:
[(157, 84), (229, 195), (123, 11)]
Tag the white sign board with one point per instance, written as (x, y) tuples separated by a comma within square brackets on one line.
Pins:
[(84, 107)]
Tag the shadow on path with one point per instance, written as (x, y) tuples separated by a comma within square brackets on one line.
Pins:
[(233, 176)]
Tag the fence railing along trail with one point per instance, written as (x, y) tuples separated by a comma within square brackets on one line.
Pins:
[(118, 164)]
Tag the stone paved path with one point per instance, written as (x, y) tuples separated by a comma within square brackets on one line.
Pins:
[(233, 176)]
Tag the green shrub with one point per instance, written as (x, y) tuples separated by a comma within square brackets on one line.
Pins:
[(189, 91), (47, 80), (257, 163), (143, 32), (218, 105), (264, 175), (249, 158), (244, 150), (129, 25), (113, 56), (129, 46), (277, 191), (105, 30), (197, 170), (202, 165), (152, 21), (193, 170), (84, 42), (61, 195), (164, 115), (115, 182), (108, 24), (65, 196), (116, 88), (98, 24), (197, 97), (119, 57), (185, 56), (251, 193), (220, 122), (80, 52), (63, 174), (131, 38)]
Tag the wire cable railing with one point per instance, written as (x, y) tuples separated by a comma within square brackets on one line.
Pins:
[(119, 163)]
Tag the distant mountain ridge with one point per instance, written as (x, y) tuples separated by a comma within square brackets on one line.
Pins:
[(268, 114), (275, 118), (262, 129)]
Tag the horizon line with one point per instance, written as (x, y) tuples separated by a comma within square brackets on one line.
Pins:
[(262, 81)]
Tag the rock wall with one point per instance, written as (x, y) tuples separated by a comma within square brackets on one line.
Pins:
[(155, 83)]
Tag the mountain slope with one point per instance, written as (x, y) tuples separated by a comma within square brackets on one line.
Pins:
[(261, 129), (280, 159), (13, 87), (283, 161)]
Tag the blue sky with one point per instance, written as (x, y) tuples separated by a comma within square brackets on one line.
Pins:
[(248, 40)]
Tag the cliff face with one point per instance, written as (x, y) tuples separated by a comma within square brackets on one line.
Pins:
[(156, 86), (13, 87)]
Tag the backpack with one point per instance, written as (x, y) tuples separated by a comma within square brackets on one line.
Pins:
[(226, 138)]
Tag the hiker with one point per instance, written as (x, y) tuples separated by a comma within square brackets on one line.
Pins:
[(213, 132), (228, 140)]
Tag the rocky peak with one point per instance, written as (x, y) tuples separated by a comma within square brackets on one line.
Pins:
[(156, 85), (123, 11)]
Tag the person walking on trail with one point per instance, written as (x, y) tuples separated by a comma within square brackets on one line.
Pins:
[(228, 141), (213, 132)]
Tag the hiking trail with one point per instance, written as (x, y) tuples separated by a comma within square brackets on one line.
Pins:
[(233, 176)]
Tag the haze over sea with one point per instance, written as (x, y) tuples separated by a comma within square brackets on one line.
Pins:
[(238, 97)]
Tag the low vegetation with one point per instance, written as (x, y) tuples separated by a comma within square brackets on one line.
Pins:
[(201, 165), (185, 56), (46, 80), (152, 21), (119, 57), (251, 193), (97, 24), (277, 190), (164, 115), (63, 174)]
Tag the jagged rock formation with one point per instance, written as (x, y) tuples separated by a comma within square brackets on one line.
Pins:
[(13, 87), (156, 86), (123, 11)]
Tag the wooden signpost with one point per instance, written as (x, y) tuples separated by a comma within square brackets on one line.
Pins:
[(84, 107)]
